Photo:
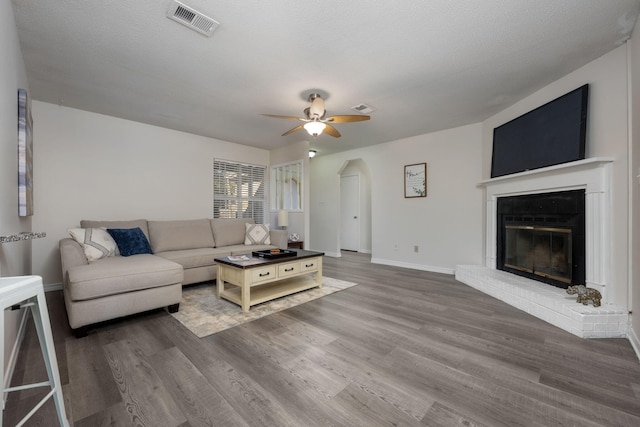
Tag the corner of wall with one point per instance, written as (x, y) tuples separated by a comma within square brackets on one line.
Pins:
[(633, 72), (633, 339), (15, 258)]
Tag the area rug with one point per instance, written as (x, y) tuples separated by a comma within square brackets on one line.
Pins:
[(204, 314)]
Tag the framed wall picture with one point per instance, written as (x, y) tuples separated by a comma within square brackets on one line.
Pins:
[(415, 180), (25, 156)]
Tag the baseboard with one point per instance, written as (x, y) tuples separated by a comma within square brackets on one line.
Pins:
[(13, 357), (422, 267), (53, 287), (635, 343), (333, 254), (365, 251)]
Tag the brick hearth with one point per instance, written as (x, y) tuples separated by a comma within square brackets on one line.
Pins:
[(548, 303)]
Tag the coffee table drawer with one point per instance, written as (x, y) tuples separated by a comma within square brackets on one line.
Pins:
[(288, 269), (264, 273), (309, 264)]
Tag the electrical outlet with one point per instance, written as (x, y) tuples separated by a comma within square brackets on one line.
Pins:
[(416, 249)]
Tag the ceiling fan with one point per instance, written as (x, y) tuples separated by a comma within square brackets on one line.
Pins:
[(315, 121)]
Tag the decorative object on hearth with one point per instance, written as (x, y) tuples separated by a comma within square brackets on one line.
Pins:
[(415, 180), (585, 295), (315, 121)]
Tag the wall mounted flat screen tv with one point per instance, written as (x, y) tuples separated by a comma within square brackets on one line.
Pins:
[(551, 134)]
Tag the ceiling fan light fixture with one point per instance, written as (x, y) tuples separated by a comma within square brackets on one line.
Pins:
[(314, 128), (315, 122), (312, 153)]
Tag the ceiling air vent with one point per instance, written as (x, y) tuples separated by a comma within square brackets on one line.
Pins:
[(192, 18), (362, 108)]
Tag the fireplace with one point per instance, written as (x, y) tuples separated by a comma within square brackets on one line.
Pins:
[(591, 178), (542, 237)]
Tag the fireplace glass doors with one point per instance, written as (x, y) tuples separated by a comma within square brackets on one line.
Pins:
[(542, 237), (543, 251)]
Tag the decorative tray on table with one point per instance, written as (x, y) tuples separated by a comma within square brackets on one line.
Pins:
[(271, 254)]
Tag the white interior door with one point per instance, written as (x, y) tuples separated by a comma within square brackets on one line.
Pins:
[(350, 213)]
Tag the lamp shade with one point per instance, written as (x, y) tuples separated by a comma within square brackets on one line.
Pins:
[(283, 218)]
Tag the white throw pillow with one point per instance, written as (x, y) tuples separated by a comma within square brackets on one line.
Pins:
[(257, 234), (95, 242)]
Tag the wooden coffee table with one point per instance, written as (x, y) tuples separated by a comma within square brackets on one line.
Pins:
[(257, 280)]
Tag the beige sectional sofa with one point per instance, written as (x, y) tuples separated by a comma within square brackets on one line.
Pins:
[(183, 253)]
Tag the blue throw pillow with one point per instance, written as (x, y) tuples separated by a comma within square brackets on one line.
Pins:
[(130, 241)]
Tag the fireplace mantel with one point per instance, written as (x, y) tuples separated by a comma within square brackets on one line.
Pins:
[(592, 175), (562, 168)]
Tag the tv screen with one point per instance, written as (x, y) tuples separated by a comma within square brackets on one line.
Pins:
[(552, 134)]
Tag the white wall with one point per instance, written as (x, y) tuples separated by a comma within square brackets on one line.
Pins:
[(15, 258), (446, 225), (91, 166), (606, 137)]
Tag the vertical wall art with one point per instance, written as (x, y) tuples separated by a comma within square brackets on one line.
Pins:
[(415, 180), (25, 156)]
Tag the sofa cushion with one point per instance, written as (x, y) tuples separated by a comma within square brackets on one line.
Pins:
[(117, 275), (142, 223), (130, 241), (176, 235), (96, 242), (229, 231), (192, 258), (257, 234)]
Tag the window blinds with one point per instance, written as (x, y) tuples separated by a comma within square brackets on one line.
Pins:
[(238, 190)]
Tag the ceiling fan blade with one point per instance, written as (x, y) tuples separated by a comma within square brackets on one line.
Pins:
[(347, 119), (283, 117), (293, 130), (330, 130)]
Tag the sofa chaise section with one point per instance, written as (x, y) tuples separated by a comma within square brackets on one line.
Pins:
[(116, 286)]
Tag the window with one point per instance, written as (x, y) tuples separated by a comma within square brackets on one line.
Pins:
[(238, 190), (286, 184)]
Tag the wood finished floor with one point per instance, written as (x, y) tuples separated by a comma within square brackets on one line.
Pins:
[(404, 348)]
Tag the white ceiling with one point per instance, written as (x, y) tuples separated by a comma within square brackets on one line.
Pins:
[(423, 65)]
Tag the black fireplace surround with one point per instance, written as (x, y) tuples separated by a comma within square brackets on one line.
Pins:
[(542, 237)]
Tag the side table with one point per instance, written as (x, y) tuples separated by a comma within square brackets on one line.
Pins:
[(296, 245), (28, 291)]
